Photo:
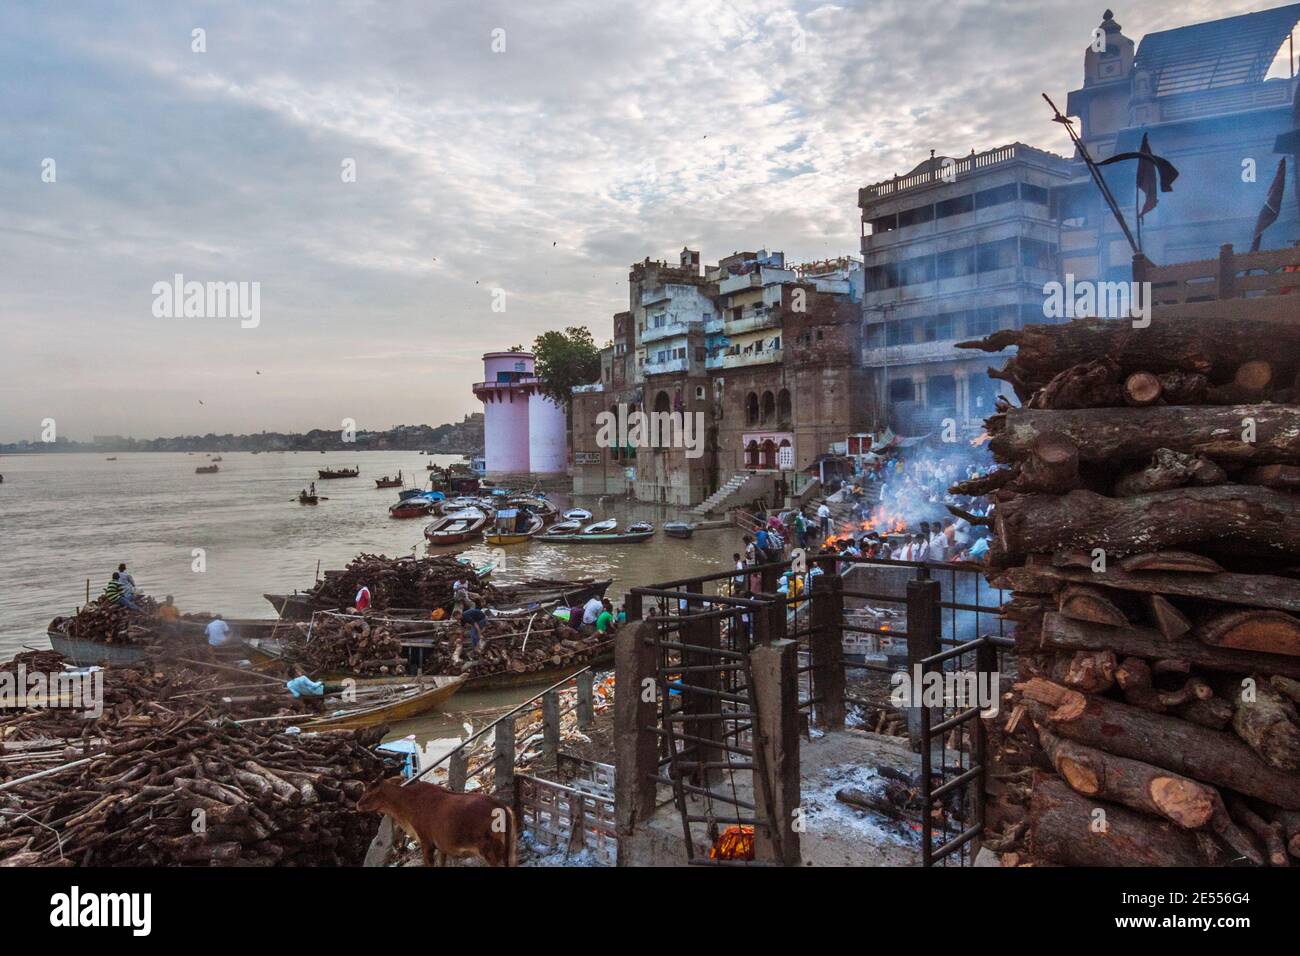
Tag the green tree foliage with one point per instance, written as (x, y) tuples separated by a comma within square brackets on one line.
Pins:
[(566, 359)]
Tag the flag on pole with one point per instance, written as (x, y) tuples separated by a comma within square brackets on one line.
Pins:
[(1272, 205), (1149, 166)]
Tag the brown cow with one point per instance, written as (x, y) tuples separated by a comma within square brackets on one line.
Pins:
[(442, 821)]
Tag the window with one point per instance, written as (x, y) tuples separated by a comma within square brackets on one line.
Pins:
[(699, 393), (941, 393), (954, 207), (1034, 194), (751, 408), (769, 407), (876, 335), (997, 196), (938, 328), (1037, 255), (902, 390), (882, 277), (914, 217), (882, 224), (981, 321), (956, 262), (996, 255), (916, 271)]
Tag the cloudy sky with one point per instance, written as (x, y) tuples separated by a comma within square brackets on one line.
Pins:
[(603, 132)]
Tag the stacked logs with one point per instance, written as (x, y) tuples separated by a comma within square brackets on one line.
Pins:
[(400, 582), (353, 644), (162, 778), (108, 622), (1147, 525), (520, 646)]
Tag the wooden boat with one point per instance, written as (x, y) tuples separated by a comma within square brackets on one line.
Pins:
[(306, 499), (327, 473), (434, 496), (678, 529), (407, 700), (450, 506), (110, 459), (578, 514), (636, 527), (601, 527), (207, 469), (565, 527), (507, 524), (411, 508), (599, 537), (456, 527), (386, 482), (218, 458)]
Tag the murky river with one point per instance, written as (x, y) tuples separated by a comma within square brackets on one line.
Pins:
[(218, 542)]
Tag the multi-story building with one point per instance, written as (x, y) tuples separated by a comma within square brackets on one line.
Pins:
[(1217, 99), (955, 249)]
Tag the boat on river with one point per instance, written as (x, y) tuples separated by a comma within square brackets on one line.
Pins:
[(379, 704), (679, 529), (207, 469), (454, 528), (386, 482), (602, 532), (328, 473), (411, 508), (514, 526), (578, 514), (306, 499)]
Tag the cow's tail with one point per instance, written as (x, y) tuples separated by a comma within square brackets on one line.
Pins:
[(512, 838)]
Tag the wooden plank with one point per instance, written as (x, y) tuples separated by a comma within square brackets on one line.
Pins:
[(1252, 590)]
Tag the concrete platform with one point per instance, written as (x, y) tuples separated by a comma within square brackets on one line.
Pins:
[(834, 833)]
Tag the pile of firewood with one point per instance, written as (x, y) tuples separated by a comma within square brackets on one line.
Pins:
[(515, 645), (1147, 524), (352, 644), (400, 582), (163, 777), (108, 622)]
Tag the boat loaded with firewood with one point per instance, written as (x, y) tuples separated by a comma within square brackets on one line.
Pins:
[(327, 473), (207, 470)]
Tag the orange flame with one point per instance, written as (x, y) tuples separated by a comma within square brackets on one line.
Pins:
[(980, 439)]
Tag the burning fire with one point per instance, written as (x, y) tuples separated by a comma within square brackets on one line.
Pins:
[(736, 843), (980, 439), (880, 521)]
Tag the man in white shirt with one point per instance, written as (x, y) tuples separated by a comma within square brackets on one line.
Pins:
[(938, 544), (218, 632), (824, 517), (591, 610)]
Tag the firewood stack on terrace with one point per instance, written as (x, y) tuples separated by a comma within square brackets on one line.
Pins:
[(1147, 522)]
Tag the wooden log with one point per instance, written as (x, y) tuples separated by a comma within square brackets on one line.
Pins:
[(1142, 389), (1210, 756), (1184, 562), (1065, 828), (1170, 469), (1232, 519), (1089, 671), (1209, 346), (1183, 388), (1270, 833), (1280, 477), (1266, 720), (1252, 590), (1066, 704), (1267, 631), (1062, 634), (1081, 386), (1213, 712), (1108, 436), (1134, 678), (1095, 773), (1170, 621), (1079, 602), (1254, 377), (1052, 466)]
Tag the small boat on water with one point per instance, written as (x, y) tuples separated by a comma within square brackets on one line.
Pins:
[(386, 482), (218, 458), (380, 703), (328, 473), (578, 514), (601, 527), (459, 503), (306, 499), (514, 526), (206, 470), (111, 459), (679, 529), (456, 527), (411, 508), (564, 527), (636, 527), (609, 536)]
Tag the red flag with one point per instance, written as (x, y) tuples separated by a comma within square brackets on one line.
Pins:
[(1272, 205)]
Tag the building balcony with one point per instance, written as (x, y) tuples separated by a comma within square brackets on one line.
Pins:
[(659, 293), (677, 365), (713, 324), (745, 359), (655, 333), (753, 280), (915, 353), (753, 321), (714, 361)]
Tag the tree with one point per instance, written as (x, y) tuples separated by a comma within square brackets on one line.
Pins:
[(566, 359)]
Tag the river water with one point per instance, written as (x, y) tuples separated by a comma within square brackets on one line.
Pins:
[(218, 542)]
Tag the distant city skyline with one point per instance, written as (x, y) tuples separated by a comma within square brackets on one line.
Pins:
[(368, 176)]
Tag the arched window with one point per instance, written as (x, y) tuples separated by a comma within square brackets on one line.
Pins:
[(785, 443), (751, 454), (768, 459), (751, 408), (663, 403), (769, 407), (783, 411)]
